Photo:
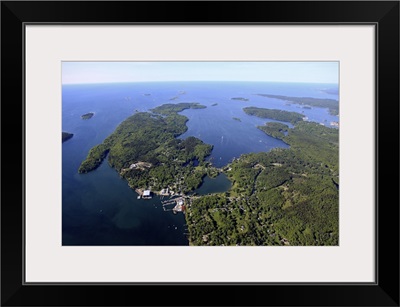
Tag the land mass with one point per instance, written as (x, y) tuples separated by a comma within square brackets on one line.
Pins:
[(66, 136), (240, 98), (87, 115), (282, 197), (173, 109), (144, 149), (274, 129), (331, 104), (285, 116)]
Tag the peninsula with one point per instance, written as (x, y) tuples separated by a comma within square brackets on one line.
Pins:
[(282, 197), (274, 129), (145, 151), (285, 116), (331, 104)]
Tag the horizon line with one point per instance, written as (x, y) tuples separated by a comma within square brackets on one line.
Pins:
[(242, 81)]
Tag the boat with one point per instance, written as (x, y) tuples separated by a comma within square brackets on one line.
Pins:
[(138, 197)]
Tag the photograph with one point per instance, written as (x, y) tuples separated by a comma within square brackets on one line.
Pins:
[(245, 151), (200, 153)]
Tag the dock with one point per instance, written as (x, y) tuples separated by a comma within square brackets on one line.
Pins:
[(144, 194), (179, 204), (168, 202)]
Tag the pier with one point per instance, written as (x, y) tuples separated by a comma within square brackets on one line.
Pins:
[(179, 204), (169, 202)]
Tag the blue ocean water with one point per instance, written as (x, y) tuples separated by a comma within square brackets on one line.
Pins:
[(99, 208)]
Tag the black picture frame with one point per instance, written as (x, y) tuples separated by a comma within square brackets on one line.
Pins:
[(383, 14)]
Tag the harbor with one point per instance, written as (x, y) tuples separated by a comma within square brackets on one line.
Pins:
[(177, 203)]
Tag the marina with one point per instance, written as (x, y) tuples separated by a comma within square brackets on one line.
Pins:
[(179, 205)]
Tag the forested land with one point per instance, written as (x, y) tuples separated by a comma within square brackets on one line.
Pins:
[(145, 151), (331, 104), (281, 115), (171, 109), (282, 197), (274, 129)]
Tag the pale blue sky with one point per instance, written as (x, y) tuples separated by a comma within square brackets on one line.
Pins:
[(111, 72)]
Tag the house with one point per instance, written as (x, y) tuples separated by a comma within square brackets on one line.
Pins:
[(146, 194)]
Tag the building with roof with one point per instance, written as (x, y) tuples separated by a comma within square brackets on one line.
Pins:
[(146, 194)]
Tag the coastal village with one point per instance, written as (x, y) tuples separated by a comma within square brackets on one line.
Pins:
[(171, 197), (177, 200)]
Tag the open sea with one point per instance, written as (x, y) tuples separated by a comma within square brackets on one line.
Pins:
[(99, 208)]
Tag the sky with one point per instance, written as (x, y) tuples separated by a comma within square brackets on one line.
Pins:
[(117, 72)]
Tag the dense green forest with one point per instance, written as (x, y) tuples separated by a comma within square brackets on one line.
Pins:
[(274, 129), (281, 115), (145, 151), (170, 109), (66, 136), (282, 197), (331, 104)]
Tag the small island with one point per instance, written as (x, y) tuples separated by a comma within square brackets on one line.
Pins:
[(66, 136), (239, 98), (237, 119), (87, 115), (214, 104)]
